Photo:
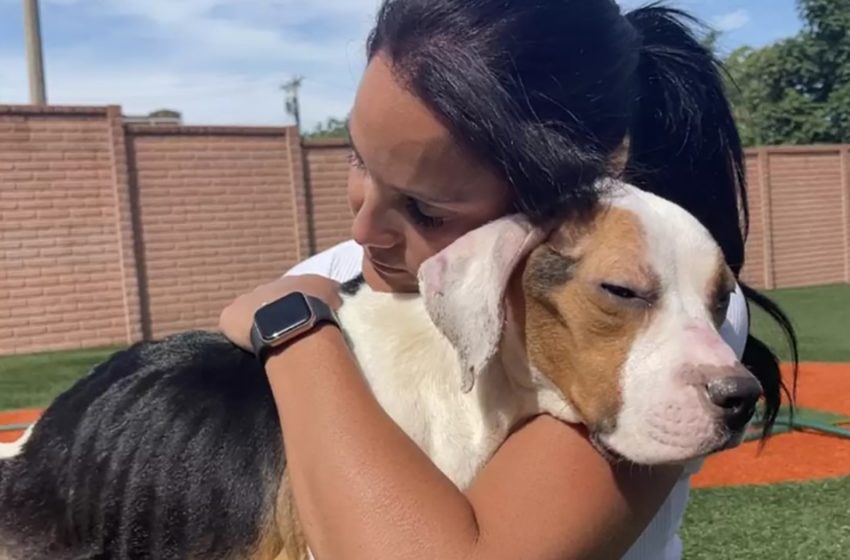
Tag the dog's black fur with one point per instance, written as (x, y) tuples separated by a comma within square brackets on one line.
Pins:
[(169, 449)]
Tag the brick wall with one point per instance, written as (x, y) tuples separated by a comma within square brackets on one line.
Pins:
[(328, 165), (60, 271), (754, 264), (208, 200), (110, 232), (800, 203)]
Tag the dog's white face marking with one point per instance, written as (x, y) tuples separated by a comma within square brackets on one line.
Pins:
[(13, 449), (622, 315)]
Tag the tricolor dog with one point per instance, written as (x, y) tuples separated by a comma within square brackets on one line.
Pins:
[(172, 449)]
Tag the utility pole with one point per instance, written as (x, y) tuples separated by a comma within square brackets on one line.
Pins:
[(35, 59), (292, 105), (293, 109)]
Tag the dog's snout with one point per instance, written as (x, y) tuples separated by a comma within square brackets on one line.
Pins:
[(736, 395)]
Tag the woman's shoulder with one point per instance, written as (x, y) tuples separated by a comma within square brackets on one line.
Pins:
[(736, 328), (342, 262)]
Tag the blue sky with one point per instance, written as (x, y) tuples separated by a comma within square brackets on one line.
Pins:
[(222, 61)]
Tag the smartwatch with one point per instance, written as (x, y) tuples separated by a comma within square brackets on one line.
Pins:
[(285, 319)]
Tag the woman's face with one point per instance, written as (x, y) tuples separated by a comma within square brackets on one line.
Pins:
[(412, 189)]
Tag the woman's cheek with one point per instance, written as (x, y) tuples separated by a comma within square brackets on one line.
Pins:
[(425, 246)]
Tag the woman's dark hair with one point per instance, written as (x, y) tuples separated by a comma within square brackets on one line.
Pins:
[(546, 91)]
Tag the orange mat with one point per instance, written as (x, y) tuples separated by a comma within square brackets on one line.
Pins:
[(16, 417)]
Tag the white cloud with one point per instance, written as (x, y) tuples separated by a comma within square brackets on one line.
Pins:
[(225, 58), (242, 28), (203, 97), (732, 20)]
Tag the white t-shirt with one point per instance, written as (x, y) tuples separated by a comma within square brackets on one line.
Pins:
[(660, 540)]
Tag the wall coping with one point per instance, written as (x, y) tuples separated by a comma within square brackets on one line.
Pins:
[(35, 110), (792, 149), (187, 130)]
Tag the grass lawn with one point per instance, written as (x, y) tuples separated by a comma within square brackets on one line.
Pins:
[(36, 379), (807, 521), (820, 317)]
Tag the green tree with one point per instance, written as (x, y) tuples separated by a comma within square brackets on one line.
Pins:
[(332, 128), (797, 91)]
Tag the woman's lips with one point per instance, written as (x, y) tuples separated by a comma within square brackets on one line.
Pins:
[(386, 268)]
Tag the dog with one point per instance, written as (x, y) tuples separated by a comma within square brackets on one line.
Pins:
[(172, 449)]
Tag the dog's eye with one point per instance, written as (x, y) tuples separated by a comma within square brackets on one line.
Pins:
[(723, 303), (620, 291)]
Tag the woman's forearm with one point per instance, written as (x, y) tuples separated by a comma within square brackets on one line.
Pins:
[(363, 489)]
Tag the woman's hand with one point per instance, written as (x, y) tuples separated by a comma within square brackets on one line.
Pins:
[(237, 319)]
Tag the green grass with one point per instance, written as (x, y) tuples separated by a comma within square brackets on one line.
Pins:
[(35, 380), (807, 521), (820, 317)]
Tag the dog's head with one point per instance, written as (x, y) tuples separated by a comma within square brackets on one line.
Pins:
[(621, 313)]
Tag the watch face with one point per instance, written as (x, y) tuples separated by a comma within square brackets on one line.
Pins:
[(282, 316)]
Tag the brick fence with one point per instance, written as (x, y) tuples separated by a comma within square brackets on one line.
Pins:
[(111, 231), (800, 216)]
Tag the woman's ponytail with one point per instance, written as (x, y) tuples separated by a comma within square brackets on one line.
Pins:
[(684, 142)]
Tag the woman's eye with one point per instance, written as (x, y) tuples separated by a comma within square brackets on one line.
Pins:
[(355, 161), (421, 217)]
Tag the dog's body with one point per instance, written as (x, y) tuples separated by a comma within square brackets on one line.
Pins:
[(173, 450)]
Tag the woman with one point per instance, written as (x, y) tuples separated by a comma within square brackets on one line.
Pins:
[(470, 109)]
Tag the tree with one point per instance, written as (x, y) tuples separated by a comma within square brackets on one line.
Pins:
[(332, 128), (797, 91), (165, 113)]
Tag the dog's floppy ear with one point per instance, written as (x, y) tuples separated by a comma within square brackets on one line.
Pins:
[(464, 287)]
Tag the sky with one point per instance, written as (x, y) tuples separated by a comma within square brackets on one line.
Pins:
[(223, 61)]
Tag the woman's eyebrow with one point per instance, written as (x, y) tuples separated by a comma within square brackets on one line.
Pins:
[(429, 198)]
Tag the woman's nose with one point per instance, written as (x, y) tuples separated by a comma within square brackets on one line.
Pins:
[(372, 227)]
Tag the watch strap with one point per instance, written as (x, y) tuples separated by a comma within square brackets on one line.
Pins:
[(322, 312), (258, 344)]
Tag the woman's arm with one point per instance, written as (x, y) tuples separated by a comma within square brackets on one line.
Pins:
[(364, 490)]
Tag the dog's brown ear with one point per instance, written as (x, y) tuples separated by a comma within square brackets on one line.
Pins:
[(464, 287)]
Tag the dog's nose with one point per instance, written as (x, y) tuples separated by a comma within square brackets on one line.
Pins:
[(736, 396)]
